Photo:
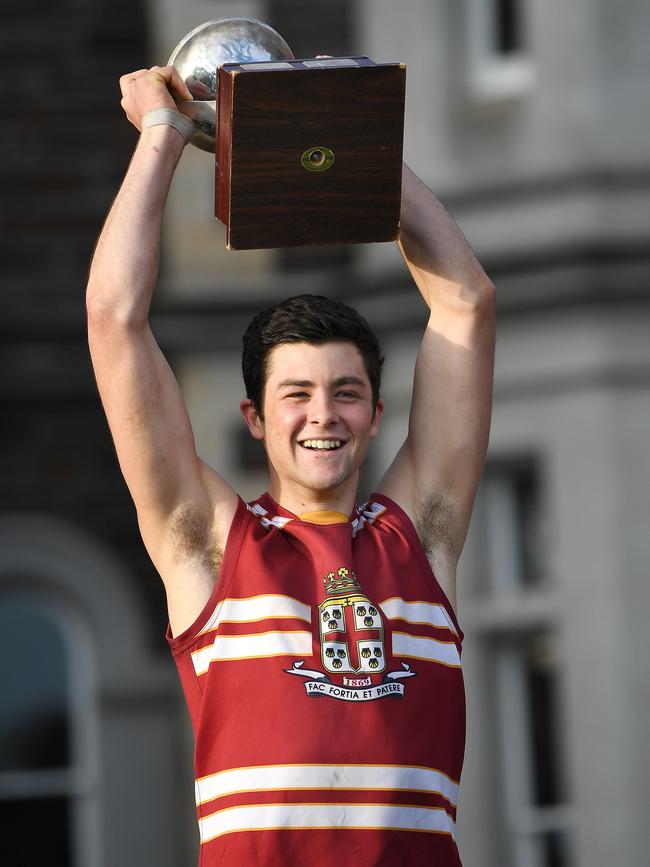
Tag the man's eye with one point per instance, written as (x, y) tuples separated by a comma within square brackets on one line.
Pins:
[(298, 394), (346, 394)]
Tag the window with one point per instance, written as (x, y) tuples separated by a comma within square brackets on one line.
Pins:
[(88, 715), (500, 65), (511, 494), (45, 782), (535, 819), (514, 617), (507, 30)]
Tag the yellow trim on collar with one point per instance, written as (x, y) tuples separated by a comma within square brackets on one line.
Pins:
[(324, 517)]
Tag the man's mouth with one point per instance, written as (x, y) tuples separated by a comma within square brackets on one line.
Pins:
[(322, 445)]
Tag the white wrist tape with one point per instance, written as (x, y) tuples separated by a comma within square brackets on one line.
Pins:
[(169, 117)]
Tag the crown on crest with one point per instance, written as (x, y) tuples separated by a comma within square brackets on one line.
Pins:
[(340, 581)]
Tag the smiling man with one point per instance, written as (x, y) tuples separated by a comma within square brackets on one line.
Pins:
[(316, 639), (316, 428)]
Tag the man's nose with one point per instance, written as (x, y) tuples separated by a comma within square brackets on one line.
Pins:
[(322, 410)]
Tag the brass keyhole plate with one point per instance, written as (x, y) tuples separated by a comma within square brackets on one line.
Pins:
[(317, 159)]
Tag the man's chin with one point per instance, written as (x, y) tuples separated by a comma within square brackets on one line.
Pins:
[(324, 483)]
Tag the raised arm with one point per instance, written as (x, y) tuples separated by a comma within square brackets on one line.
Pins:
[(436, 472), (184, 508)]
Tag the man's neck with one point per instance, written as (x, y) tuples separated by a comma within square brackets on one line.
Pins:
[(299, 500)]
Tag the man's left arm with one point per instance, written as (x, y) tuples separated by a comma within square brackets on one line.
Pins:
[(435, 474)]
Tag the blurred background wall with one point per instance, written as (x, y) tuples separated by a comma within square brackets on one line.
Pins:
[(531, 121)]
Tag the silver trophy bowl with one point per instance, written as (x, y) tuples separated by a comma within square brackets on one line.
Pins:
[(198, 56)]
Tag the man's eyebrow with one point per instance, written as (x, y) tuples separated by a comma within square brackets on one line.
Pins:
[(296, 383), (307, 383), (349, 380)]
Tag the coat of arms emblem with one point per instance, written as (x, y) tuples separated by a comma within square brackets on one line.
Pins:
[(351, 629)]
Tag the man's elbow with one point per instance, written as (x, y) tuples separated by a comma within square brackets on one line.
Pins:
[(105, 313), (481, 294)]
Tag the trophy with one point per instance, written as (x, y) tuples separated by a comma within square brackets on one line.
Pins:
[(307, 151)]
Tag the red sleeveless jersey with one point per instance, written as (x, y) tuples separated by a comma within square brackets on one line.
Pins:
[(324, 685)]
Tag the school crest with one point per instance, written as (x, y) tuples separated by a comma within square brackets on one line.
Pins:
[(352, 649)]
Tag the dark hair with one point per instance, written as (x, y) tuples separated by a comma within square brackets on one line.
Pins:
[(306, 319)]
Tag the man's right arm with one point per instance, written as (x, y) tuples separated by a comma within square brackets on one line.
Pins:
[(184, 507)]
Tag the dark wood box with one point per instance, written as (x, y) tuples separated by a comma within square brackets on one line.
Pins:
[(270, 115)]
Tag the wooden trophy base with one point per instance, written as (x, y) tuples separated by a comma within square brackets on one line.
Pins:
[(309, 152)]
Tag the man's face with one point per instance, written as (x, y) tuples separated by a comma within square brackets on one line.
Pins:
[(318, 416)]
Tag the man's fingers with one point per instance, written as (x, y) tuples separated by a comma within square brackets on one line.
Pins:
[(163, 76), (129, 78), (173, 82), (147, 89), (178, 86)]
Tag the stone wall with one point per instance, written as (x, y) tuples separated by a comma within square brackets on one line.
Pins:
[(65, 147)]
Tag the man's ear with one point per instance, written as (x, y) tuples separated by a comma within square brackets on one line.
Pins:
[(379, 410), (252, 418)]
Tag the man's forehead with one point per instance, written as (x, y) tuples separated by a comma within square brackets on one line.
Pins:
[(302, 363)]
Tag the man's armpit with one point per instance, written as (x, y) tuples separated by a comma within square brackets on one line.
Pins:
[(435, 524), (192, 538)]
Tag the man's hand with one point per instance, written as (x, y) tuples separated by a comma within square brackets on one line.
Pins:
[(147, 89)]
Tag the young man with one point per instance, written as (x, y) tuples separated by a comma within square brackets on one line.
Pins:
[(319, 655)]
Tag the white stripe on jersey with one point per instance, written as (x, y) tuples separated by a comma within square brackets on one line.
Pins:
[(262, 817), (418, 613), (415, 647), (254, 608), (256, 646), (284, 777)]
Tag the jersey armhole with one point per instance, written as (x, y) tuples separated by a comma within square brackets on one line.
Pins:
[(407, 527), (179, 643)]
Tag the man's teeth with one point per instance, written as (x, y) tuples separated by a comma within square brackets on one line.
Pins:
[(321, 444)]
